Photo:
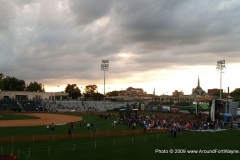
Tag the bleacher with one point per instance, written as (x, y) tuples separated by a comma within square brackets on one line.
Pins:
[(63, 106), (104, 105), (74, 105), (66, 106), (49, 105), (32, 105), (9, 105)]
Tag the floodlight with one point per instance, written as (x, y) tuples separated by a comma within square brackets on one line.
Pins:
[(220, 66), (104, 67)]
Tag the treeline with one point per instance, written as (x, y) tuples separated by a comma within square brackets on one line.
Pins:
[(8, 83)]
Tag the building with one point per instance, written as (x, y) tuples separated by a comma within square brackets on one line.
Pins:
[(134, 94), (198, 91), (214, 91), (177, 94), (176, 97), (28, 95)]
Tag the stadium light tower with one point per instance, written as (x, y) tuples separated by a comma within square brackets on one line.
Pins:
[(104, 67), (220, 67)]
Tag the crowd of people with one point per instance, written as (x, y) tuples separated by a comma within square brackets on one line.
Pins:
[(178, 121), (170, 122)]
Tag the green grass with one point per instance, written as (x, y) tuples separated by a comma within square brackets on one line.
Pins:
[(131, 147), (10, 116), (136, 147)]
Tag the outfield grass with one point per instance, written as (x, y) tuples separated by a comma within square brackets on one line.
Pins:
[(138, 147)]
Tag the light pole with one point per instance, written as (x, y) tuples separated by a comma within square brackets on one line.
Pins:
[(220, 67), (104, 67)]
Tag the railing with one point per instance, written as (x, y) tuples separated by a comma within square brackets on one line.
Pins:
[(33, 138)]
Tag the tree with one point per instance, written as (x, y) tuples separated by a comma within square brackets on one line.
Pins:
[(73, 91), (113, 93), (90, 90), (1, 81), (98, 96), (13, 84), (36, 87), (236, 94)]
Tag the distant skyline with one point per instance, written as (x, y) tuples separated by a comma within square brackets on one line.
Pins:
[(161, 44)]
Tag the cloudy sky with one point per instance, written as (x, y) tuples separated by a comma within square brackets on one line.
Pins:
[(161, 44)]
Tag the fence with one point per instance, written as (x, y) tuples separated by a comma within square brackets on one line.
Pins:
[(53, 137), (31, 153)]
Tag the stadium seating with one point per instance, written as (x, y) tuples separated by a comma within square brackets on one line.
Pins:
[(63, 106), (9, 105), (31, 105)]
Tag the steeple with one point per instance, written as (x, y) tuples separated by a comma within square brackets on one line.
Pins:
[(198, 90), (198, 86), (198, 81)]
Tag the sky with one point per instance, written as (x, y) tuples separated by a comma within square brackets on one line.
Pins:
[(151, 44)]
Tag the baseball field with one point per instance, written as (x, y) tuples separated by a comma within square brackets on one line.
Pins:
[(27, 137)]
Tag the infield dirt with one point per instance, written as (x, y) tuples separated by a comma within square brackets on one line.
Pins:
[(44, 119)]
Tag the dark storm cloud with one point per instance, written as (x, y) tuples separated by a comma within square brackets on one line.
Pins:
[(86, 11), (182, 30), (68, 39), (173, 23)]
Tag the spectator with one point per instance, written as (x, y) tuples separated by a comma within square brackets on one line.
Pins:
[(92, 126), (175, 132), (52, 127), (70, 133), (97, 128), (145, 129), (47, 128), (171, 132), (88, 125), (80, 124)]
